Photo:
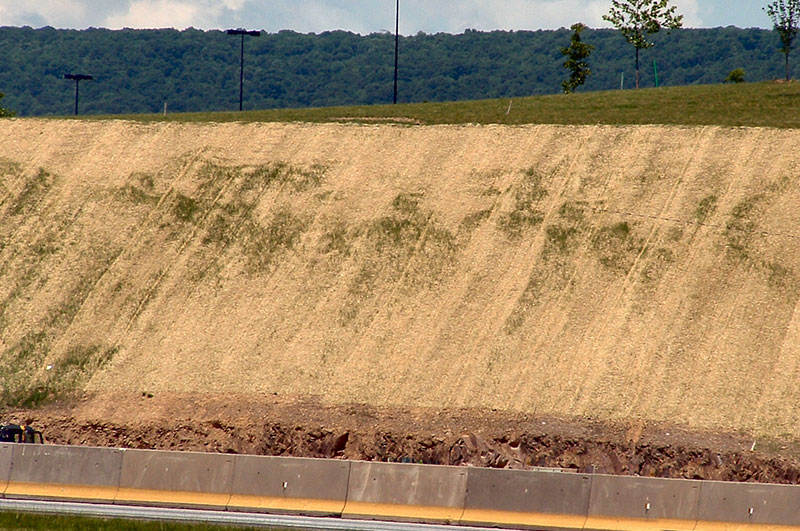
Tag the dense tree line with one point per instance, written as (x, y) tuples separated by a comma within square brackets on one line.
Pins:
[(138, 70)]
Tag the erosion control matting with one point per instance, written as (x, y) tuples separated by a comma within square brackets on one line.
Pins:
[(640, 274)]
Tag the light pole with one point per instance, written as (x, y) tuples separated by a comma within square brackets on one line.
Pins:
[(241, 62), (78, 78), (396, 46)]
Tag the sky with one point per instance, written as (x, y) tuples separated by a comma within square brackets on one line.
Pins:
[(359, 16)]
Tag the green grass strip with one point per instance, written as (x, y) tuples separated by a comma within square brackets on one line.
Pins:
[(34, 522), (768, 104)]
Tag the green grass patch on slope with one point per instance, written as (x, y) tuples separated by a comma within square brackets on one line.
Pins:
[(764, 104), (37, 522)]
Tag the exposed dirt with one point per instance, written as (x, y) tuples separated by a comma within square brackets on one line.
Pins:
[(273, 425), (614, 272), (491, 279)]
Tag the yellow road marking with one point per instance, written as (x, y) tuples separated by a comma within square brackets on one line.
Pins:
[(169, 497), (61, 491), (286, 505), (422, 513), (512, 518)]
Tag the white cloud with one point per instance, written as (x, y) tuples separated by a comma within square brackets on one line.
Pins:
[(319, 15), (533, 14), (61, 13), (551, 14), (690, 11), (362, 16), (156, 14), (457, 15), (180, 14), (234, 5), (688, 8)]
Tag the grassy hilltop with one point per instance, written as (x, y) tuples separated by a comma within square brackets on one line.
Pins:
[(610, 271), (748, 104)]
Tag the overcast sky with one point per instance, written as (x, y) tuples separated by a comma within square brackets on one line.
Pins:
[(360, 16)]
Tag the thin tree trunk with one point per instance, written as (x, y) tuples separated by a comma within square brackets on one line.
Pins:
[(787, 66), (637, 67)]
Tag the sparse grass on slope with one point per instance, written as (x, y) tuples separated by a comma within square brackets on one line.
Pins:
[(748, 104), (35, 522), (601, 272)]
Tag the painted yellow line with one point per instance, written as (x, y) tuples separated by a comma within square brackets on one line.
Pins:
[(734, 526), (61, 491), (540, 520), (479, 517), (172, 498), (639, 524), (285, 505), (416, 513), (377, 511)]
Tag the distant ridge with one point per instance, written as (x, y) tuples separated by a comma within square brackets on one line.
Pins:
[(137, 71)]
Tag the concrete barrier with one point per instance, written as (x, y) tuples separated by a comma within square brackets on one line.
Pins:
[(405, 492), (526, 499), (289, 485), (747, 505), (5, 466), (64, 473), (389, 491), (175, 479), (640, 504)]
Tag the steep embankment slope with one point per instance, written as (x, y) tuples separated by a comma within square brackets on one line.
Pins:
[(647, 272)]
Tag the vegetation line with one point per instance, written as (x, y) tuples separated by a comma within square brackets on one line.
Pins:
[(764, 104)]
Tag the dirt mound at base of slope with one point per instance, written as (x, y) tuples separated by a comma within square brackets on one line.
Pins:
[(287, 426)]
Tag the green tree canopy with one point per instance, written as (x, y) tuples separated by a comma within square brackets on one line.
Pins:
[(577, 52), (638, 19), (785, 15), (136, 71)]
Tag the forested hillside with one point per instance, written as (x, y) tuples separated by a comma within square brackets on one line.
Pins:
[(137, 71)]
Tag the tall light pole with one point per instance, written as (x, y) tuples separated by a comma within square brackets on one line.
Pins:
[(396, 46), (78, 78), (241, 62)]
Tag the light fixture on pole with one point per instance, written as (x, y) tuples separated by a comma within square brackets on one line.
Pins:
[(78, 78), (241, 62)]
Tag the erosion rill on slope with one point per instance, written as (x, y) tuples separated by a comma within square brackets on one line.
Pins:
[(648, 273)]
